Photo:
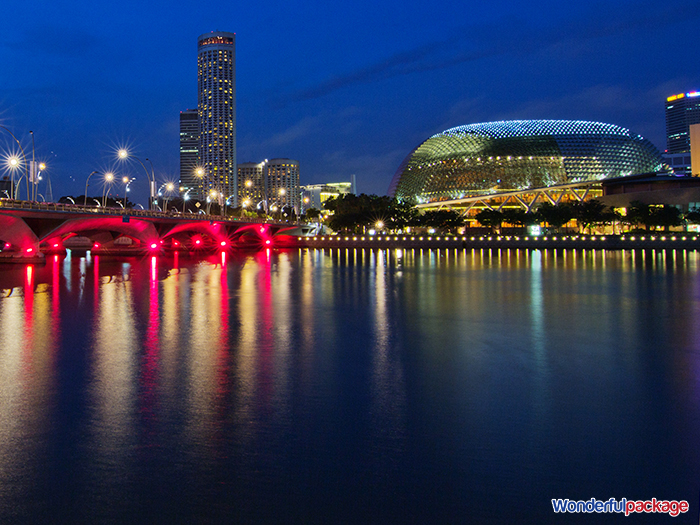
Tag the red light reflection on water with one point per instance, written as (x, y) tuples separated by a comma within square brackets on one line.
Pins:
[(149, 362), (223, 384), (55, 292), (267, 342), (28, 316)]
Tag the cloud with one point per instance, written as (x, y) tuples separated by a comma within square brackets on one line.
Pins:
[(305, 127), (509, 36)]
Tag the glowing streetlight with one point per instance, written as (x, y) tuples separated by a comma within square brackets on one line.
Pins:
[(18, 164), (124, 154), (126, 180), (109, 178)]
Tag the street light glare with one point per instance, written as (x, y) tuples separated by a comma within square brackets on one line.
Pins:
[(125, 180), (42, 166), (13, 162), (109, 177), (123, 153)]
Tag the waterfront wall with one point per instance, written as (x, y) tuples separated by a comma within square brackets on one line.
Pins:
[(672, 241)]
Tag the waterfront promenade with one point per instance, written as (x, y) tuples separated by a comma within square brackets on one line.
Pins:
[(651, 240)]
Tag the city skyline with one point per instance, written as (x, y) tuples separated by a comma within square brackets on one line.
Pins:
[(348, 91)]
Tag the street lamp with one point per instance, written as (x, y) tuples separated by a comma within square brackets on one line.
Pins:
[(109, 178), (17, 164), (169, 187), (86, 187), (185, 198), (151, 177), (126, 180)]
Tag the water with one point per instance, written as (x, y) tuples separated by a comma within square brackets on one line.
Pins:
[(348, 386)]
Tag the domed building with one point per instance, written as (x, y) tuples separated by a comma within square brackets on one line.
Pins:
[(517, 156)]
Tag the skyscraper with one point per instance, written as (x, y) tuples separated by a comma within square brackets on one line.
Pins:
[(216, 105), (682, 111), (189, 150)]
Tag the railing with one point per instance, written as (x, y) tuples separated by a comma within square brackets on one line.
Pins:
[(103, 210)]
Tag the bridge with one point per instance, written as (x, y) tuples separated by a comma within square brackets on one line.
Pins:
[(30, 230)]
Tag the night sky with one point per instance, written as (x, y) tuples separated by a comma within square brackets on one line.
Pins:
[(343, 88)]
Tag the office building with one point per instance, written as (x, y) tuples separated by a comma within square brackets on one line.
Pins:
[(216, 105), (251, 188), (189, 150), (682, 111), (281, 181)]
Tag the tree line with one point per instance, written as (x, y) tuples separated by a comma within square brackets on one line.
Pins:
[(360, 213)]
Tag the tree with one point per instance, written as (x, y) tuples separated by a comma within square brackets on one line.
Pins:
[(490, 218), (556, 216), (588, 213), (693, 216), (518, 217), (445, 220), (358, 212), (312, 214), (638, 213), (666, 216)]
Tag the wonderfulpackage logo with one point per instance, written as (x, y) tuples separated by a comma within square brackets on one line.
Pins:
[(652, 506)]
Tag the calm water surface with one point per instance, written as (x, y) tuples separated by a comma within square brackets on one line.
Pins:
[(348, 386)]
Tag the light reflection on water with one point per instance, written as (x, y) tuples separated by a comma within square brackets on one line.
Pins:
[(374, 385)]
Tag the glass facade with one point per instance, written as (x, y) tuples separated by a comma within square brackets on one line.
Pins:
[(682, 111), (493, 157)]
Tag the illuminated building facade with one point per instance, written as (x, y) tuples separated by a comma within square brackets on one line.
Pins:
[(314, 195), (682, 111), (514, 156), (216, 73), (251, 188), (270, 185), (281, 180), (189, 149)]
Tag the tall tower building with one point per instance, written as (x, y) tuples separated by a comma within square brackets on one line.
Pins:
[(216, 73), (189, 149)]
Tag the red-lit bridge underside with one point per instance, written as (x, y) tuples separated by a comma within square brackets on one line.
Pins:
[(31, 233)]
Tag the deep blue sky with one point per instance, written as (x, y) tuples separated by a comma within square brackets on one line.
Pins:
[(346, 88)]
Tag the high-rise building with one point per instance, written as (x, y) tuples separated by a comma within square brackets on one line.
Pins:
[(189, 150), (251, 188), (281, 180), (216, 73), (682, 111)]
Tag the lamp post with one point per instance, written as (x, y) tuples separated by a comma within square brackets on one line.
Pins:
[(126, 180), (16, 191), (109, 177), (35, 170), (86, 187), (185, 198), (151, 177), (169, 187)]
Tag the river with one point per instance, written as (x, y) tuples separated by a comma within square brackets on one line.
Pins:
[(347, 386)]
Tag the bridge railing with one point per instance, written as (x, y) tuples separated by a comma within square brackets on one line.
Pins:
[(103, 210)]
